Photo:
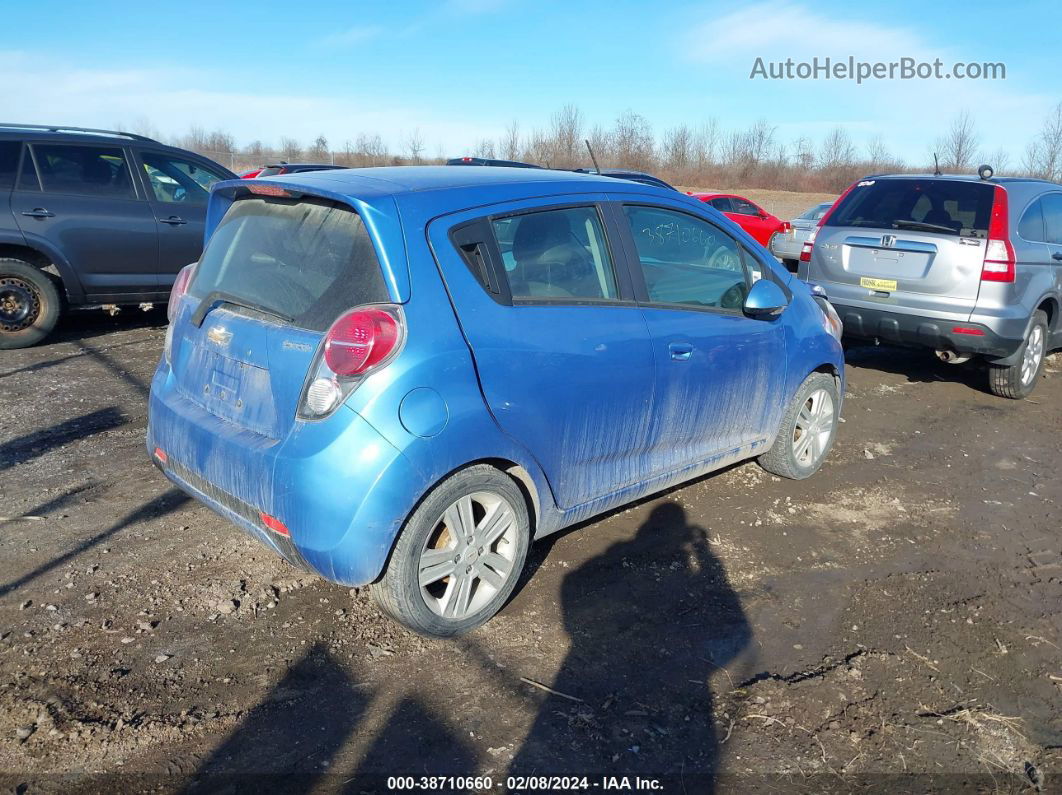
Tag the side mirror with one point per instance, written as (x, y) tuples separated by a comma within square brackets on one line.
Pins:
[(765, 300)]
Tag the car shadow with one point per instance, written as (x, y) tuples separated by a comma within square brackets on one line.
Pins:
[(917, 365), (23, 449), (84, 324), (650, 621)]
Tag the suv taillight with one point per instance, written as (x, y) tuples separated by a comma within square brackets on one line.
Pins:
[(359, 343), (805, 250), (999, 253), (180, 287)]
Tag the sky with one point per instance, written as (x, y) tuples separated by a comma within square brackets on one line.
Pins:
[(460, 71)]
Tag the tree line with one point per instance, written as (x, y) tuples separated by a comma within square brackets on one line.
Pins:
[(689, 155)]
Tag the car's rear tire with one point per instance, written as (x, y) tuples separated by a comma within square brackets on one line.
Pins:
[(459, 555), (807, 430), (1017, 381), (29, 304)]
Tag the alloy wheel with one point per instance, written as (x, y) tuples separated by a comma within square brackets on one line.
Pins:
[(814, 424), (469, 555)]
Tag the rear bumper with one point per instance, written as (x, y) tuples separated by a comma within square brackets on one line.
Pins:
[(923, 332), (339, 487), (787, 247)]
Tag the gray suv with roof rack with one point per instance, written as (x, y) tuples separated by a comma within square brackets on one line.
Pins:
[(967, 266), (92, 218)]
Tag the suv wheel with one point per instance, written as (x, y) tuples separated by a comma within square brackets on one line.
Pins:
[(807, 431), (1017, 381), (459, 556), (29, 304)]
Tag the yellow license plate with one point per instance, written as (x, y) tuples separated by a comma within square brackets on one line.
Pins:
[(887, 285)]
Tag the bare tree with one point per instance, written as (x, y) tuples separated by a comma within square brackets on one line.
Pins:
[(804, 153), (510, 144), (485, 148), (837, 150), (958, 146), (369, 150), (632, 138), (290, 150), (566, 127), (415, 145), (1000, 161), (706, 143), (319, 150), (678, 145), (1043, 158), (601, 142)]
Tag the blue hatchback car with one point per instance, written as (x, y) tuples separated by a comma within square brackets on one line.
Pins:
[(401, 376)]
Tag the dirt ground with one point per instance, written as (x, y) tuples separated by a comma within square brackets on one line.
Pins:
[(892, 624)]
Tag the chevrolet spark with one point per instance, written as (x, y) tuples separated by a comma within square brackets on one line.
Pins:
[(402, 376)]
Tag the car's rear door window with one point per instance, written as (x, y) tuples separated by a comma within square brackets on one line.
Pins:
[(100, 171), (1052, 204), (1031, 225), (556, 254), (305, 261), (946, 206), (688, 261)]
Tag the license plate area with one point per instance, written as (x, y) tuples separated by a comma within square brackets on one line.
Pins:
[(880, 285)]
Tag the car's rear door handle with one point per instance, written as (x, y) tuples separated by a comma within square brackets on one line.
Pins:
[(174, 220), (680, 351), (39, 212), (1057, 255)]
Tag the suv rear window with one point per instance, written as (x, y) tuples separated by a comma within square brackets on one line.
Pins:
[(919, 205), (307, 261)]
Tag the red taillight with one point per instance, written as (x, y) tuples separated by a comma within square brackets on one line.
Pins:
[(999, 253), (786, 226), (973, 332), (274, 524), (160, 454), (805, 250), (180, 287), (260, 189), (360, 340)]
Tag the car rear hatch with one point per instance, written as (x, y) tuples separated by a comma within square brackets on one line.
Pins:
[(914, 243), (277, 272)]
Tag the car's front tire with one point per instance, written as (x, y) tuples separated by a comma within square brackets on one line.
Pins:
[(807, 430), (459, 555), (1017, 381), (29, 304)]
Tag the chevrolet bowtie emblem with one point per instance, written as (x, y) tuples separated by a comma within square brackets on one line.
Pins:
[(219, 336)]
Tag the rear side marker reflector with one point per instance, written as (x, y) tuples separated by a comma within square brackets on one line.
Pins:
[(161, 456), (973, 332), (274, 524)]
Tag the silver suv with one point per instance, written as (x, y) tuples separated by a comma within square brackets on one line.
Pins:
[(966, 266)]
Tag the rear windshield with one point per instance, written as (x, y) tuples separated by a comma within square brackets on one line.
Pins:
[(919, 205), (307, 261), (815, 213)]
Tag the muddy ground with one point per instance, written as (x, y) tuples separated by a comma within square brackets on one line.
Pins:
[(891, 624)]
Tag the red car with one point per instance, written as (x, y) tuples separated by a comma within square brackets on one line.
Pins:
[(254, 172), (749, 216)]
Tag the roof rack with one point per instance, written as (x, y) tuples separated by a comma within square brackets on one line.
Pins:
[(64, 128)]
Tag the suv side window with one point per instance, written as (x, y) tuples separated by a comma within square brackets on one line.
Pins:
[(9, 151), (1031, 225), (687, 260), (1052, 204), (175, 180), (99, 171), (556, 254), (27, 174)]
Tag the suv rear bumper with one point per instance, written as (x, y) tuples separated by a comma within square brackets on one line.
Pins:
[(922, 332)]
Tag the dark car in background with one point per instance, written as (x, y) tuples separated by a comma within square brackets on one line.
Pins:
[(276, 169), (92, 218)]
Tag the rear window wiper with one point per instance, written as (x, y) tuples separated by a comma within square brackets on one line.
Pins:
[(923, 226), (222, 297)]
